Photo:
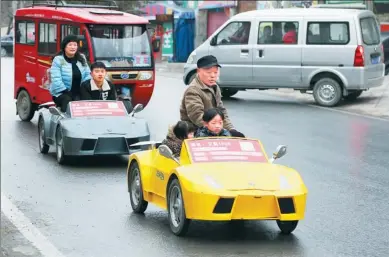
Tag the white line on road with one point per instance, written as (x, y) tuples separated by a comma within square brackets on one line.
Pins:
[(29, 231)]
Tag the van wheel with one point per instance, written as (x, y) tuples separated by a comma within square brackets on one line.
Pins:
[(327, 92), (228, 92), (353, 95), (24, 106)]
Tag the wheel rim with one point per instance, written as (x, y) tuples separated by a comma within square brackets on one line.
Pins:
[(135, 187), (23, 105), (3, 52), (59, 146), (41, 136), (176, 207), (327, 92)]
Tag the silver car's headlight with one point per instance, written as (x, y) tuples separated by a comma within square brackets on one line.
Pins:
[(191, 58)]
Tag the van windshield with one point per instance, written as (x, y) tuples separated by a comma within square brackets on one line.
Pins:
[(121, 45), (370, 31)]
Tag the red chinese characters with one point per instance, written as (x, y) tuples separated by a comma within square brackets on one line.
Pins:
[(97, 108), (226, 150)]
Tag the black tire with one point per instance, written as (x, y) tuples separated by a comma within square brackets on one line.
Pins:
[(228, 92), (138, 204), (287, 227), (179, 228), (59, 149), (43, 147), (325, 86), (24, 106), (191, 78), (353, 95)]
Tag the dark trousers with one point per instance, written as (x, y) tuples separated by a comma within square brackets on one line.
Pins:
[(63, 100)]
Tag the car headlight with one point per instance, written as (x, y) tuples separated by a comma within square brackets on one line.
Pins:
[(191, 58), (145, 75), (284, 184), (107, 77), (212, 182)]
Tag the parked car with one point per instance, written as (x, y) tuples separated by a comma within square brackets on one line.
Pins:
[(385, 44), (335, 53), (7, 46)]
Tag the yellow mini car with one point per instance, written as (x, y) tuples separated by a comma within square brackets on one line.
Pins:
[(216, 179)]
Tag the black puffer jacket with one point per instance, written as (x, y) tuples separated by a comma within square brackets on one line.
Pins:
[(174, 143)]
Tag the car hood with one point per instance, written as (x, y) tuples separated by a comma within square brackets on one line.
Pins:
[(242, 176), (105, 126)]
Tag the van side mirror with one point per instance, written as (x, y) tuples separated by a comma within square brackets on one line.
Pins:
[(280, 151), (165, 151), (213, 41)]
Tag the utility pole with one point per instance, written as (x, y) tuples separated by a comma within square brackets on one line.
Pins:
[(369, 5)]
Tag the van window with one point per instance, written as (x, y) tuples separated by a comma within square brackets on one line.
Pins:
[(25, 32), (369, 30), (67, 29), (278, 32), (328, 33), (47, 38), (235, 33)]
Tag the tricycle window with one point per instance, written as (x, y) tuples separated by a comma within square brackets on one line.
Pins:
[(121, 45)]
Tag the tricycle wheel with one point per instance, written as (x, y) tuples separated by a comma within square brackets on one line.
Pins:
[(178, 222), (61, 157), (24, 106), (138, 204), (288, 226), (43, 147)]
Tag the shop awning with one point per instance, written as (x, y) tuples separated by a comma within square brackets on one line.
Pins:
[(163, 8), (217, 4)]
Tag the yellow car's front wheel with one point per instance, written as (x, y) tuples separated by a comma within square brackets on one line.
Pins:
[(179, 224), (288, 226), (138, 204)]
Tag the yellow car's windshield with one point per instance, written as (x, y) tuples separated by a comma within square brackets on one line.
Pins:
[(222, 149)]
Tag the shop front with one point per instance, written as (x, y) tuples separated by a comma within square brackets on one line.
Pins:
[(218, 12), (164, 25)]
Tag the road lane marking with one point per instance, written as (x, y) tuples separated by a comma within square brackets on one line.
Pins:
[(28, 230)]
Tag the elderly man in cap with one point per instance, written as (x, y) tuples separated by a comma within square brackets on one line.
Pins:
[(203, 93)]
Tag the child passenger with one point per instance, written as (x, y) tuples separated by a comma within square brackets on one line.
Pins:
[(213, 124), (177, 134)]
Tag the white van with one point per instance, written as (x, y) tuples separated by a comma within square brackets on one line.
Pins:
[(336, 53)]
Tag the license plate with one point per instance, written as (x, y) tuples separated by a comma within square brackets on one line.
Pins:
[(375, 60)]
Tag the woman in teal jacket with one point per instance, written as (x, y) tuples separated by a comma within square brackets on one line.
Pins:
[(68, 70)]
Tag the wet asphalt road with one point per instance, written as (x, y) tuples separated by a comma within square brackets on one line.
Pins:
[(84, 209)]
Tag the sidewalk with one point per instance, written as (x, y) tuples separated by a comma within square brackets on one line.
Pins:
[(374, 102), (170, 67)]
